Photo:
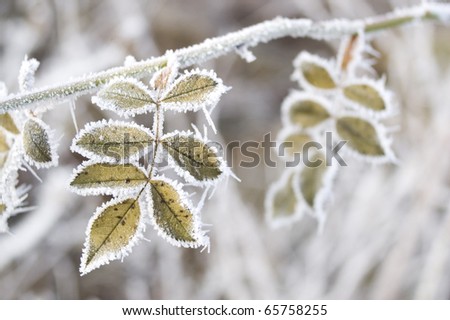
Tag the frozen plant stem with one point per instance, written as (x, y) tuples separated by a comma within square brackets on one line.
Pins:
[(212, 48)]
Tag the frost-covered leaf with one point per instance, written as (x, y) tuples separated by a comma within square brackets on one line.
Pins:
[(194, 159), (125, 96), (315, 181), (193, 91), (304, 110), (293, 140), (173, 215), (37, 143), (361, 135), (112, 232), (107, 178), (7, 122), (365, 95), (164, 77), (311, 179), (112, 140), (314, 72), (282, 200), (3, 142)]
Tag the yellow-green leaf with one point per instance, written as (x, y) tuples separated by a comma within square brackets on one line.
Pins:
[(7, 122), (366, 96), (125, 97), (112, 140), (284, 200), (307, 113), (107, 178), (112, 232), (36, 142), (317, 75), (361, 136), (192, 91), (2, 208), (3, 142), (295, 142), (172, 216), (193, 157), (312, 178)]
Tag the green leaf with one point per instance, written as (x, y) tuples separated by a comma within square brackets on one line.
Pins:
[(312, 179), (3, 142), (192, 91), (107, 178), (196, 160), (112, 140), (111, 233), (282, 200), (7, 122), (2, 208), (317, 75), (172, 216), (295, 142), (361, 135), (126, 97), (307, 113), (36, 143), (366, 96)]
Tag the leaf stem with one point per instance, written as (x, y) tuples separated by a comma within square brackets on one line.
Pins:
[(213, 48)]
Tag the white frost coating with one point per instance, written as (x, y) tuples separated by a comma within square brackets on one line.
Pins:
[(26, 74), (265, 32), (107, 104), (201, 239), (3, 90), (101, 189), (281, 221), (129, 61), (358, 47), (441, 10), (223, 167), (52, 143), (170, 71), (328, 65), (296, 96), (380, 86), (114, 255), (245, 54), (383, 138), (210, 99), (92, 126)]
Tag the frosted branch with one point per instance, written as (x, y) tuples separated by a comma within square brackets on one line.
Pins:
[(213, 48)]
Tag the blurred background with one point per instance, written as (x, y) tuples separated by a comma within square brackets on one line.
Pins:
[(388, 230)]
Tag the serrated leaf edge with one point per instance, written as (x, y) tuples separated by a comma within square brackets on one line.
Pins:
[(223, 167), (212, 100), (52, 143), (113, 191), (202, 238), (100, 124), (106, 105), (122, 253)]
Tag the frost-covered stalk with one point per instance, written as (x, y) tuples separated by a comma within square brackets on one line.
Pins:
[(239, 42)]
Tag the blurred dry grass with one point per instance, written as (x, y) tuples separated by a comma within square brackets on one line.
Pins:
[(388, 230)]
